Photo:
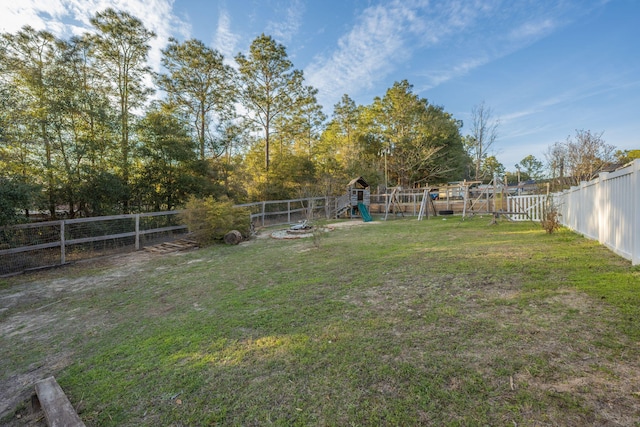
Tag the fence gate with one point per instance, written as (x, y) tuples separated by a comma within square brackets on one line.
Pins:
[(526, 208)]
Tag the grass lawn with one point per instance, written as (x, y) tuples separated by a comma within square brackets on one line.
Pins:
[(404, 322)]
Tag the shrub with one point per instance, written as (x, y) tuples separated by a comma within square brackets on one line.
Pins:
[(209, 219), (550, 217), (16, 196)]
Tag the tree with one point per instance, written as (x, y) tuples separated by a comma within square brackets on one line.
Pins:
[(531, 167), (167, 151), (579, 158), (293, 176), (339, 153), (103, 193), (346, 115), (626, 156), (92, 114), (588, 154), (120, 49), (304, 126), (483, 135), (16, 195), (18, 152), (28, 59), (80, 121), (270, 89), (423, 140), (201, 85), (492, 167), (56, 115)]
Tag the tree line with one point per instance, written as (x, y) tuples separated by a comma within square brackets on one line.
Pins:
[(86, 125)]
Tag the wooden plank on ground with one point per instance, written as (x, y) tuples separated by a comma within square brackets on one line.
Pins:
[(178, 245), (55, 405)]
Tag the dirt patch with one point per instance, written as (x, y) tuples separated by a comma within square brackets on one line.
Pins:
[(37, 321), (21, 386), (288, 233), (298, 234)]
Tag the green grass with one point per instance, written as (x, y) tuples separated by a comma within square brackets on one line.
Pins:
[(399, 323)]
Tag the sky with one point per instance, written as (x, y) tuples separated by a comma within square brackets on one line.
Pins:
[(544, 68)]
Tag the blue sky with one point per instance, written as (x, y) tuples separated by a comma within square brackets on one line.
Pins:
[(545, 68)]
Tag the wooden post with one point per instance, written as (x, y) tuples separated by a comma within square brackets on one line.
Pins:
[(448, 190), (63, 244), (137, 219), (56, 406), (465, 196), (488, 204)]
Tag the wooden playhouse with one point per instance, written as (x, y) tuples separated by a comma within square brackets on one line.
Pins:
[(356, 202)]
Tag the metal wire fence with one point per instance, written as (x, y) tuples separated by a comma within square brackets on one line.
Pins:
[(276, 212), (45, 244)]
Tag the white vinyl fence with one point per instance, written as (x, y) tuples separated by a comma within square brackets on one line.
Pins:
[(529, 207), (606, 209)]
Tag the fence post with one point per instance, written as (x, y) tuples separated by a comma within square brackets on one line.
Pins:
[(264, 204), (63, 253), (414, 203), (289, 211), (635, 199), (137, 217), (600, 200), (326, 207)]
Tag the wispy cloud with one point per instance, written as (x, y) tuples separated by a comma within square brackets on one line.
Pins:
[(225, 40), (363, 55), (385, 36), (533, 30), (436, 77), (575, 95), (454, 37), (16, 14), (65, 18), (285, 29)]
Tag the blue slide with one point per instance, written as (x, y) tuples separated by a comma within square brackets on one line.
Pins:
[(366, 217)]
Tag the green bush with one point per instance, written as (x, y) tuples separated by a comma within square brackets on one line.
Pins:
[(209, 219), (16, 196)]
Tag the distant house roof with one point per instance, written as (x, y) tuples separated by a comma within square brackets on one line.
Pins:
[(359, 181), (612, 167)]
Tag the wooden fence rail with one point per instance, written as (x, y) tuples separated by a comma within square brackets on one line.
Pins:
[(276, 212), (44, 244), (607, 209)]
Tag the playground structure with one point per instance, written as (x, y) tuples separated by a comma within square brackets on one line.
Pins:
[(356, 201), (465, 197)]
